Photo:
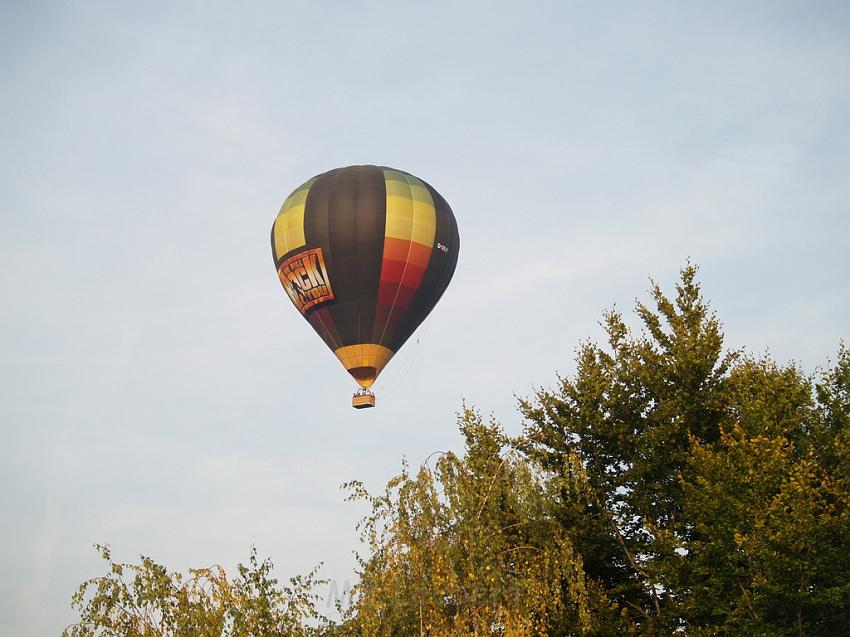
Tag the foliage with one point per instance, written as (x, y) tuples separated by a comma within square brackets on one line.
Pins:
[(145, 599), (669, 486), (468, 548), (720, 498)]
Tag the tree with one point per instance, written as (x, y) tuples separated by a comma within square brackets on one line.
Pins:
[(467, 548), (719, 496), (770, 506), (669, 486), (145, 599)]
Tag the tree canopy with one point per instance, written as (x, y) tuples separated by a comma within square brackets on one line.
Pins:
[(145, 599), (670, 485), (719, 495)]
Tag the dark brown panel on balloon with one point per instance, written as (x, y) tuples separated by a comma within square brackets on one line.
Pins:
[(345, 213)]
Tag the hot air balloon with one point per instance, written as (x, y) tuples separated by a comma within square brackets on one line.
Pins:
[(365, 253)]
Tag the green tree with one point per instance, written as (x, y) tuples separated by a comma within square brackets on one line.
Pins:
[(770, 508), (145, 599), (628, 415), (669, 486), (718, 482)]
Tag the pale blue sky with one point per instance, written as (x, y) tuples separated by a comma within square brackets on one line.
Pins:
[(159, 392)]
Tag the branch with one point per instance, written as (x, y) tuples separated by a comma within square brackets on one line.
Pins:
[(492, 482)]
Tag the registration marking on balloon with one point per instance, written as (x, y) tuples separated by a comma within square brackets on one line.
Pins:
[(305, 279)]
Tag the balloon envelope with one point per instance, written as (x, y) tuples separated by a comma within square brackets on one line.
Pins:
[(365, 253)]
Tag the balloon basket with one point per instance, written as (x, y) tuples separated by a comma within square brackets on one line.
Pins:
[(363, 399)]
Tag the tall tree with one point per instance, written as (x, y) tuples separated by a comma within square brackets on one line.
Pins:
[(717, 498), (467, 548)]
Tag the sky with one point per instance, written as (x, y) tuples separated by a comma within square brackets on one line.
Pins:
[(158, 391)]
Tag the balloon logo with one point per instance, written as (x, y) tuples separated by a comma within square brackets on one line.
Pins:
[(364, 253)]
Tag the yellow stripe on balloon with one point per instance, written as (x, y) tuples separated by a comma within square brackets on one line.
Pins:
[(411, 215), (289, 224)]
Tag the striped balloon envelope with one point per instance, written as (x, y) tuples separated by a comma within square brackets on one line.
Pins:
[(365, 253)]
